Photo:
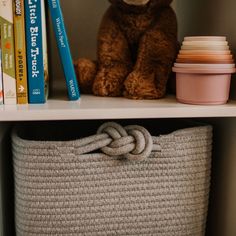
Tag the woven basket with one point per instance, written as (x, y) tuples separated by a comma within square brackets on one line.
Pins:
[(137, 184)]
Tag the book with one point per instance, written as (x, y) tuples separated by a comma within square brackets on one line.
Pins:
[(8, 57), (36, 51), (20, 52), (64, 49), (1, 88)]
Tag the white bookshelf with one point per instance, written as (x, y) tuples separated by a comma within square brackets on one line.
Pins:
[(83, 18), (91, 107)]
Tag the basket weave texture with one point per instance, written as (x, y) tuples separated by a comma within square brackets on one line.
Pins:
[(137, 184)]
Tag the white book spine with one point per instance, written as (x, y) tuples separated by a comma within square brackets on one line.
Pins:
[(8, 57)]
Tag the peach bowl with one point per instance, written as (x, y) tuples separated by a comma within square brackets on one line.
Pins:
[(206, 47), (205, 43), (204, 52), (203, 86), (206, 57), (205, 60), (205, 38)]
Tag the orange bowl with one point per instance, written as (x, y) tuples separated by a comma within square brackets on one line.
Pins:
[(203, 60), (205, 52), (206, 57)]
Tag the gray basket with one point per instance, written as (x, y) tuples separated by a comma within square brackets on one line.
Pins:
[(137, 184)]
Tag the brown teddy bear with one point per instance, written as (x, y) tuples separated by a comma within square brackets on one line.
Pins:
[(137, 44)]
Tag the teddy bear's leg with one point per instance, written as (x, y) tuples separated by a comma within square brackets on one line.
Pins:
[(153, 66), (156, 53), (114, 60)]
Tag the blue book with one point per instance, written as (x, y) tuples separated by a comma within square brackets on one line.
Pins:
[(36, 48), (64, 49)]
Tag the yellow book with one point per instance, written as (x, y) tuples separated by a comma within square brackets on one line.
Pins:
[(20, 51)]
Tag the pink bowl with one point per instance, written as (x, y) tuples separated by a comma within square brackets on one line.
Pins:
[(202, 88)]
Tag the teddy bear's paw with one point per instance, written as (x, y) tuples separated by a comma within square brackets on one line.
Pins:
[(108, 83), (138, 86), (85, 71)]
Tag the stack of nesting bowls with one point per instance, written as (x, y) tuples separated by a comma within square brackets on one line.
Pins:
[(203, 70)]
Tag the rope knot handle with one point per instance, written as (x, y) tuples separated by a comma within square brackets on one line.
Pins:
[(133, 142)]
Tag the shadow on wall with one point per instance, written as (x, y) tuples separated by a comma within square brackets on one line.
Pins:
[(211, 17), (82, 18)]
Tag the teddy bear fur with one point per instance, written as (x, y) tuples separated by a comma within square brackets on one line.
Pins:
[(137, 45)]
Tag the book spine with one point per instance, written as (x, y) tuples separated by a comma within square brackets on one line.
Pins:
[(36, 49), (8, 57), (20, 52), (64, 49), (1, 87)]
